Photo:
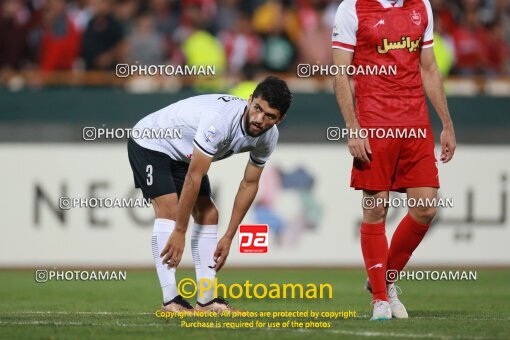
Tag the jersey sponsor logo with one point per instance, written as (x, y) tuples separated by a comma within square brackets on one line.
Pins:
[(253, 238), (416, 18), (210, 135), (404, 44), (226, 99), (380, 22)]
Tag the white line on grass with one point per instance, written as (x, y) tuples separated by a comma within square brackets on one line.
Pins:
[(72, 313)]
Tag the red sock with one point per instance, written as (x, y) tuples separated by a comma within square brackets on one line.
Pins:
[(405, 240), (375, 253)]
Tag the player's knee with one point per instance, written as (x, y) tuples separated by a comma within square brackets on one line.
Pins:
[(167, 212), (206, 215), (424, 215), (165, 207), (375, 215)]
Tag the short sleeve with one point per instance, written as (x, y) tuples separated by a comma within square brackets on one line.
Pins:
[(264, 148), (210, 134), (345, 26), (428, 39)]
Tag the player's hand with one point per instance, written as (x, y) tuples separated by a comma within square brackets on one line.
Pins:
[(359, 148), (448, 144), (221, 253), (172, 253)]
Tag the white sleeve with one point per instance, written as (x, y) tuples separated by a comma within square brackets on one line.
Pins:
[(210, 134), (345, 26), (263, 150), (428, 39)]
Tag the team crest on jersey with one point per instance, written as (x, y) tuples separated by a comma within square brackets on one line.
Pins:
[(416, 18), (210, 135)]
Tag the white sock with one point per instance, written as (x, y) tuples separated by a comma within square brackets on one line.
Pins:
[(204, 239), (160, 234)]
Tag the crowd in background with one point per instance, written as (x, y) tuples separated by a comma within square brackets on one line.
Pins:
[(472, 36)]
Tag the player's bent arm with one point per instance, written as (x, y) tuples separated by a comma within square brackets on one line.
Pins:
[(244, 198), (198, 168), (433, 85), (434, 89), (245, 195), (343, 90), (172, 252)]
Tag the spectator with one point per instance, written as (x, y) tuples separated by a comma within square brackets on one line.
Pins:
[(60, 42), (241, 44), (275, 21), (80, 14), (277, 15), (165, 17), (443, 47), (13, 35), (497, 50), (502, 15), (444, 14), (166, 21), (226, 15), (202, 48), (314, 46), (145, 45), (470, 42), (103, 39)]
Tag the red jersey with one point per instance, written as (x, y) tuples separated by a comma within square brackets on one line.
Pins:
[(385, 34)]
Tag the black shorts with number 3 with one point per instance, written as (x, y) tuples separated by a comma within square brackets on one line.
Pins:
[(156, 174)]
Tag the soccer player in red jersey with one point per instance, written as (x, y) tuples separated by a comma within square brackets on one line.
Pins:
[(384, 33)]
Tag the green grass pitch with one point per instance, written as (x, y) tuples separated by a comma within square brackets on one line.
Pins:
[(125, 309)]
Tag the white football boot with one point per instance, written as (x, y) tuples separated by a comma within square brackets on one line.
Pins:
[(397, 308), (382, 310)]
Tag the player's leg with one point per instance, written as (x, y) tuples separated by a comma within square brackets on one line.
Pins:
[(412, 229), (374, 247), (374, 244), (151, 171), (165, 208), (406, 238), (417, 174), (375, 178), (204, 239)]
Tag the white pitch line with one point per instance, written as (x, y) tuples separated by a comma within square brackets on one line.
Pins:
[(76, 323), (72, 313)]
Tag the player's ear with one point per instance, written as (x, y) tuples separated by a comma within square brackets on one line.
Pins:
[(250, 98), (282, 117)]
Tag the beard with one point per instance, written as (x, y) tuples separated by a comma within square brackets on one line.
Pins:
[(249, 124)]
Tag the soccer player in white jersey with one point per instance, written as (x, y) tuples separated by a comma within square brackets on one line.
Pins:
[(173, 174)]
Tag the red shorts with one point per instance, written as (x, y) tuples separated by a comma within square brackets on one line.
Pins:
[(398, 163)]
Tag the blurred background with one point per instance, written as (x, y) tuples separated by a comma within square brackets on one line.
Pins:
[(57, 76)]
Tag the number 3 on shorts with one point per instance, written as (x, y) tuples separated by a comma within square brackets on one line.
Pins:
[(148, 169)]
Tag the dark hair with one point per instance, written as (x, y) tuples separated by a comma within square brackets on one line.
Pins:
[(276, 92)]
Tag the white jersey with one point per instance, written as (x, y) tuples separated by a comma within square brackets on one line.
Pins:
[(213, 124)]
